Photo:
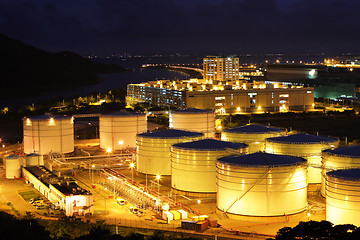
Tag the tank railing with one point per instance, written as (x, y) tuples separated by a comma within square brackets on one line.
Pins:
[(299, 143), (125, 155), (248, 190), (355, 179), (318, 154), (341, 155)]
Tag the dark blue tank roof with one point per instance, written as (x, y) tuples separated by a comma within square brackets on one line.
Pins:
[(346, 174), (254, 128), (13, 156), (302, 138), (261, 159), (170, 133), (209, 145), (351, 151), (32, 154)]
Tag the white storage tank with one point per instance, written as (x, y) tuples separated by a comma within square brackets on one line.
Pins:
[(343, 196), (303, 145), (339, 158), (153, 149), (193, 119), (261, 184), (118, 130), (193, 163), (45, 134), (253, 135), (34, 159), (13, 165)]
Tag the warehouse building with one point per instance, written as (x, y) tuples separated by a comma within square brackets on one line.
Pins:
[(61, 191), (233, 97)]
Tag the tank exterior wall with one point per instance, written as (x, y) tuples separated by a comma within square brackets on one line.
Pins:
[(13, 168), (311, 152), (34, 160), (334, 162), (261, 191), (153, 154), (195, 171), (119, 132), (45, 136), (342, 201), (255, 141), (197, 122)]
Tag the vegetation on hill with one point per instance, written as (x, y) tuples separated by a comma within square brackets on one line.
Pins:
[(27, 70), (319, 230), (68, 228)]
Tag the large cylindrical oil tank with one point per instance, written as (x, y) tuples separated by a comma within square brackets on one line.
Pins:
[(45, 134), (34, 159), (118, 130), (193, 163), (193, 119), (153, 149), (253, 135), (261, 184), (339, 158), (13, 166), (303, 145), (343, 196)]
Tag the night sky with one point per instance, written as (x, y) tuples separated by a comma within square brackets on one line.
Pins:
[(184, 26)]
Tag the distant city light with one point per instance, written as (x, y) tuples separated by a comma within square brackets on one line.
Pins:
[(312, 72)]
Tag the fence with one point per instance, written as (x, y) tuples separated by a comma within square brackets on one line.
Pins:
[(175, 227)]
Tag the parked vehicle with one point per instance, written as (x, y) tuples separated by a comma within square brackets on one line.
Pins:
[(121, 201), (134, 210)]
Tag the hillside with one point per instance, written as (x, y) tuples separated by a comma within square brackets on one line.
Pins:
[(27, 71)]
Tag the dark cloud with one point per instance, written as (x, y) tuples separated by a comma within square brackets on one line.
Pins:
[(229, 26)]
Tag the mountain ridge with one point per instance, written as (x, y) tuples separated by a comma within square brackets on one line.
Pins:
[(28, 71)]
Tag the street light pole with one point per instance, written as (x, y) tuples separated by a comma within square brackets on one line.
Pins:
[(92, 174), (132, 172), (114, 187), (158, 179)]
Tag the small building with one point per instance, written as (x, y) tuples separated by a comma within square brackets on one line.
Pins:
[(61, 191)]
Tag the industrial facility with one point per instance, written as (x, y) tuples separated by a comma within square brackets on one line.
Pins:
[(303, 145), (153, 149), (253, 135), (251, 173), (193, 164), (48, 134), (339, 158), (235, 97), (63, 192), (342, 195), (118, 130), (193, 119), (261, 184), (13, 164)]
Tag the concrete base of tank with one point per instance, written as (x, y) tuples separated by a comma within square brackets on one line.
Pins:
[(194, 194), (265, 219)]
